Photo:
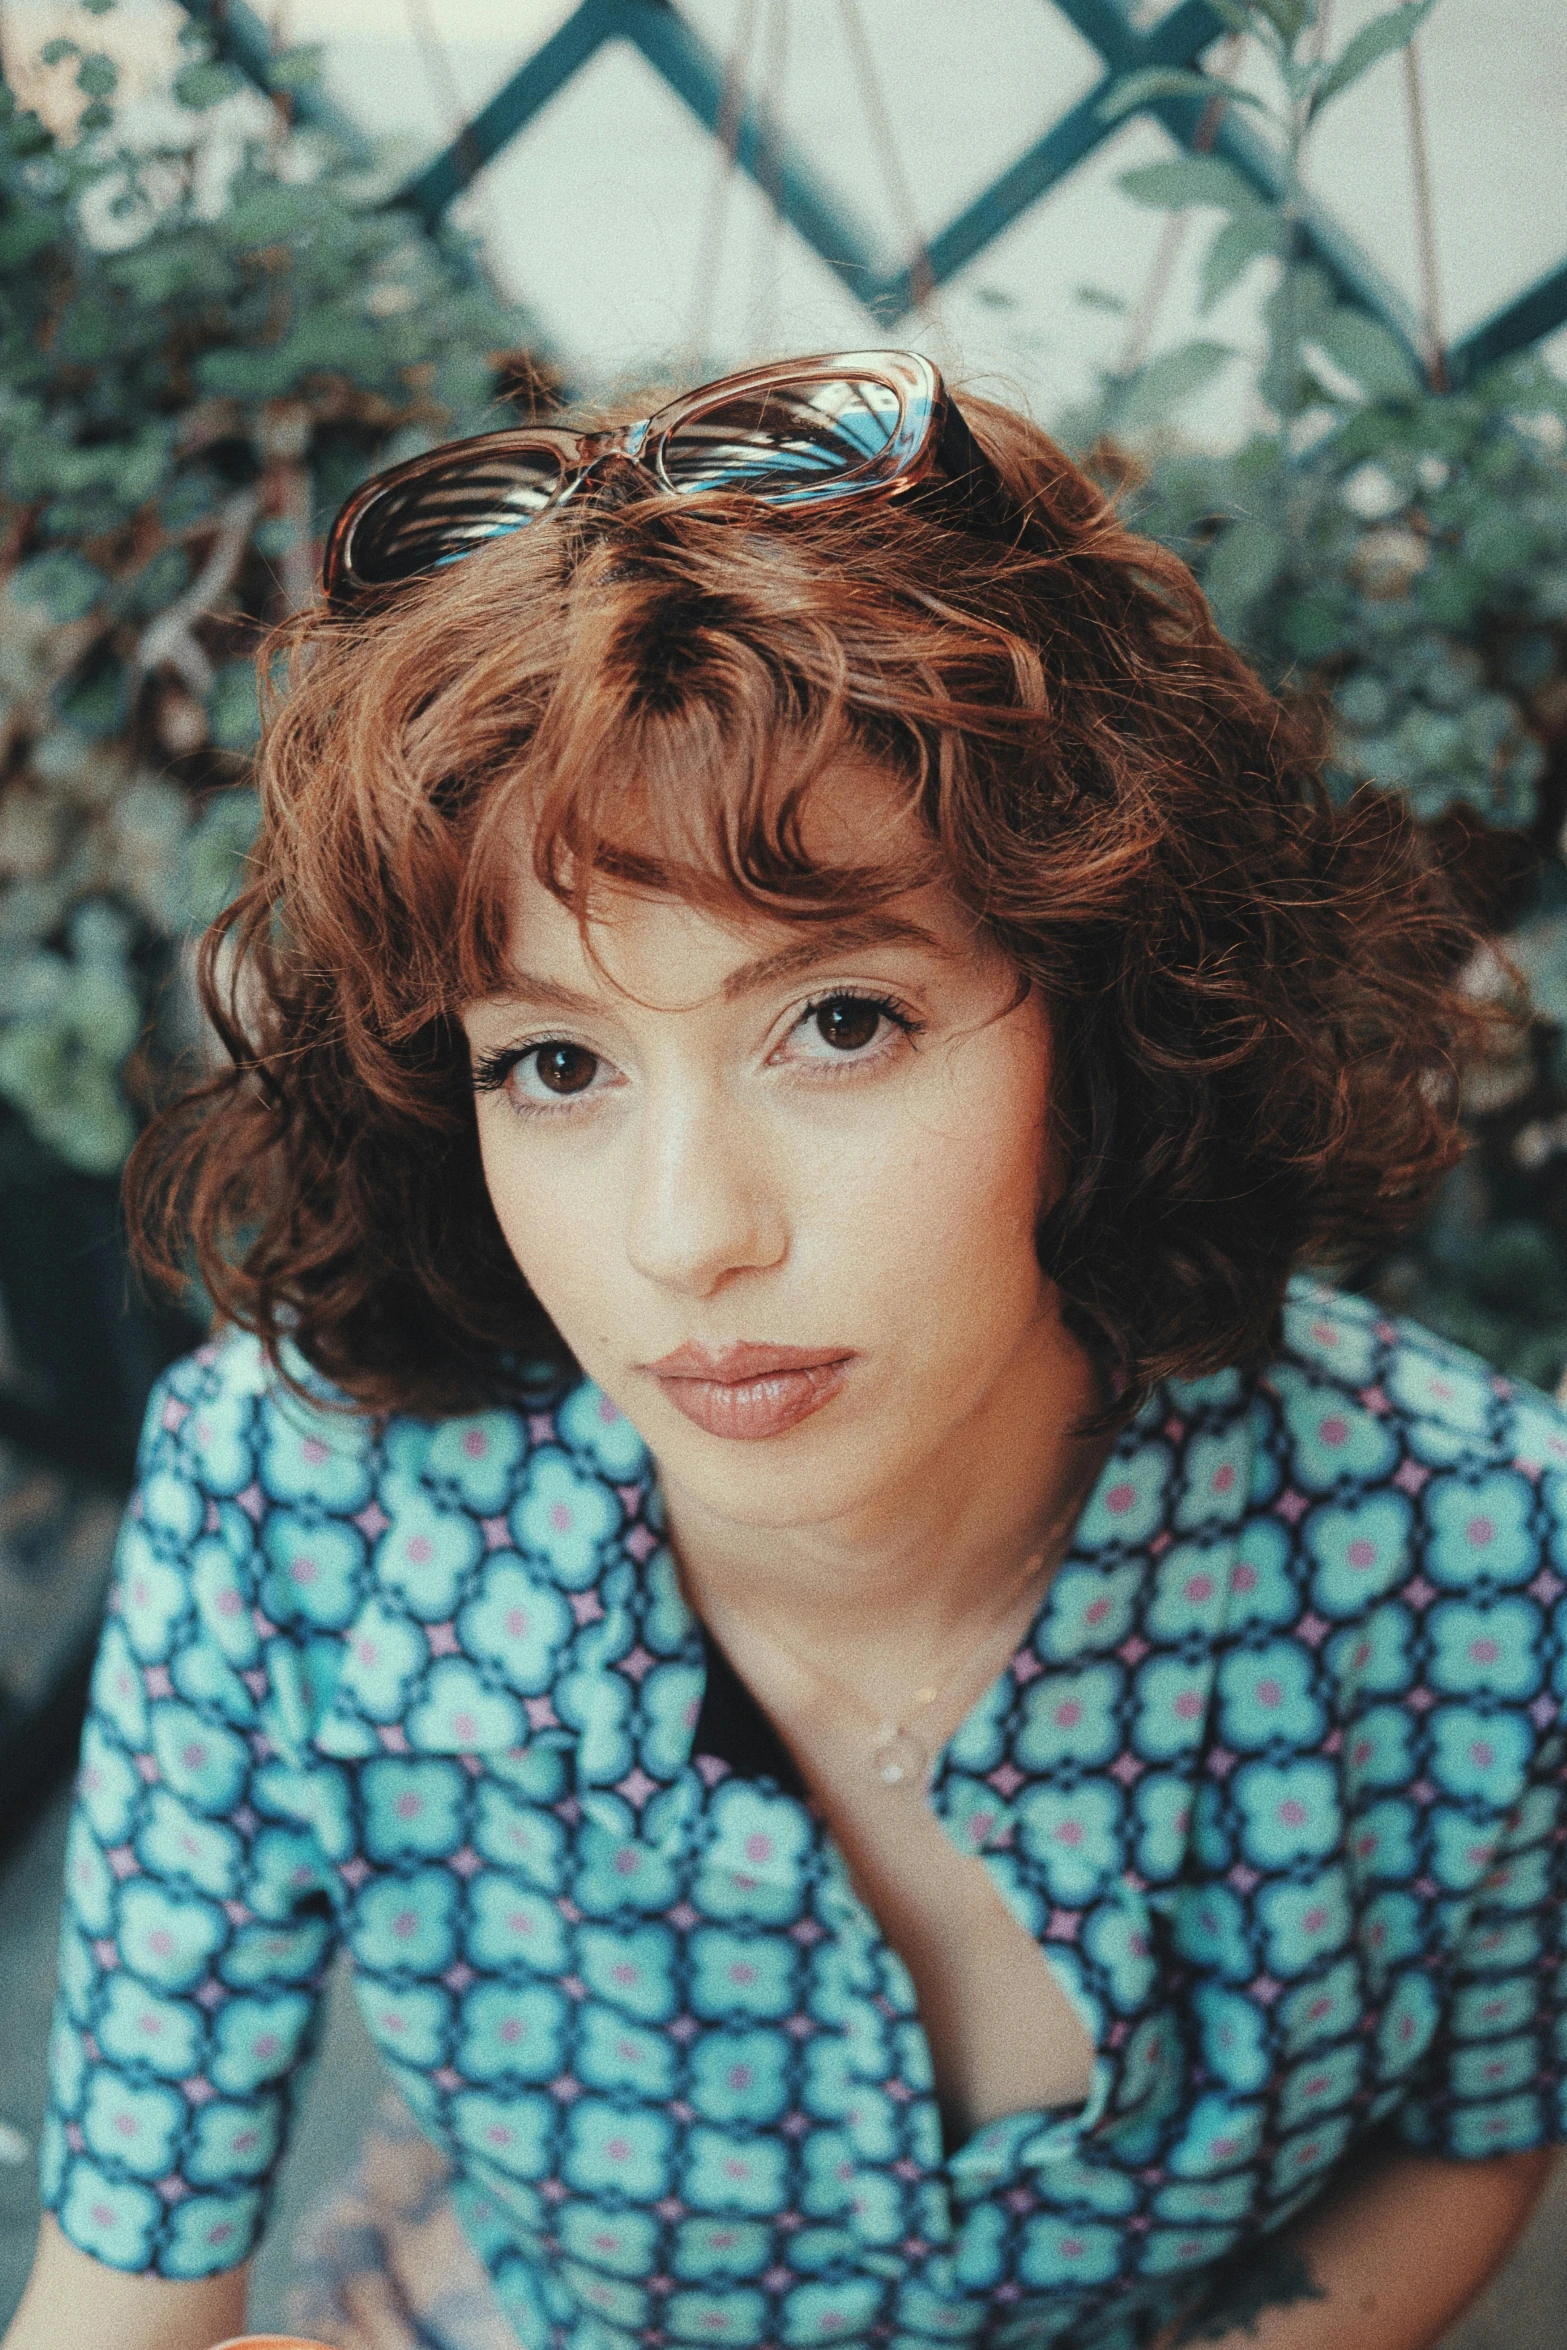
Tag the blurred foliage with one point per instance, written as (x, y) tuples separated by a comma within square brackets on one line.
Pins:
[(212, 327), (1396, 552)]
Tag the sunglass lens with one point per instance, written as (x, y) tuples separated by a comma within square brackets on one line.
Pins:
[(782, 440), (445, 511)]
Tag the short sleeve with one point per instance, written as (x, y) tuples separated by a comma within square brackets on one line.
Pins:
[(198, 1923), (1493, 2080)]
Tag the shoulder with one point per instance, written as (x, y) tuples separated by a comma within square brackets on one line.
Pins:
[(1360, 1393), (1416, 1483), (226, 1431)]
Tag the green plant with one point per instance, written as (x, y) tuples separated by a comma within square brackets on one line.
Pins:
[(204, 343), (1398, 552)]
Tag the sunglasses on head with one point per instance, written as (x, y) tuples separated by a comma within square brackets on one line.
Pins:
[(851, 424)]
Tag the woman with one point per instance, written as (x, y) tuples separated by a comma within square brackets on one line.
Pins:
[(912, 1736)]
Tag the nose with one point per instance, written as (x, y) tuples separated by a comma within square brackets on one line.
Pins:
[(707, 1198)]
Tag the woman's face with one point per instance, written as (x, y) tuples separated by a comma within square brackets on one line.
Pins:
[(777, 1184)]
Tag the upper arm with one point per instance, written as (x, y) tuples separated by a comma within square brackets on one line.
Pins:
[(71, 2299)]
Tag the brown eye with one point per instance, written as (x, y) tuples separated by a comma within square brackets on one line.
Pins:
[(848, 1022), (565, 1068)]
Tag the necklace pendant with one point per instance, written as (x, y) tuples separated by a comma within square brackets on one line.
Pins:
[(898, 1759)]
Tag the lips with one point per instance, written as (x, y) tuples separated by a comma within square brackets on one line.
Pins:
[(750, 1391)]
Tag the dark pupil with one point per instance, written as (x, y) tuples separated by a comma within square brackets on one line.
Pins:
[(847, 1022), (565, 1068)]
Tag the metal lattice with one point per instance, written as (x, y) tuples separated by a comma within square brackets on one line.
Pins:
[(889, 289)]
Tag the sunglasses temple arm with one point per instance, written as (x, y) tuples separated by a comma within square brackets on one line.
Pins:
[(965, 464)]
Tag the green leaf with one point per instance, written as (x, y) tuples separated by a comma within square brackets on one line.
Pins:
[(1369, 353), (295, 69), (62, 583), (1233, 249), (206, 83), (1245, 561), (1374, 41), (1289, 18), (1169, 81), (233, 706), (98, 75), (1166, 383), (1186, 180), (57, 51), (97, 7)]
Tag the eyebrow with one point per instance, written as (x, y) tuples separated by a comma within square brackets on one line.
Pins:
[(824, 941)]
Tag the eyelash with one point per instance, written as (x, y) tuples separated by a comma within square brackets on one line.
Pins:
[(492, 1070)]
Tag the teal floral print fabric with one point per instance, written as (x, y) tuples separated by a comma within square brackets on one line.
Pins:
[(1275, 1780)]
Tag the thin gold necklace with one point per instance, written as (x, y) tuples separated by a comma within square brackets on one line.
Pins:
[(898, 1758)]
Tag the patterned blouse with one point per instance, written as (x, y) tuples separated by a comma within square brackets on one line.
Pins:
[(1275, 1780)]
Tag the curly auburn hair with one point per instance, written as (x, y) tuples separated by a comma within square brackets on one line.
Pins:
[(1258, 1030)]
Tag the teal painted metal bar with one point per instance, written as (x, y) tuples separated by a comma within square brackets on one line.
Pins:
[(511, 109), (1535, 313)]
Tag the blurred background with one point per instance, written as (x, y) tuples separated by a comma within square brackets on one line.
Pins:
[(1291, 278)]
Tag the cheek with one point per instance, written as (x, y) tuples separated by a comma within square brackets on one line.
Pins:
[(545, 1209)]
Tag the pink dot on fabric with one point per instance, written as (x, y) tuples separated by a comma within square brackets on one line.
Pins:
[(1324, 1333), (246, 2139), (1484, 1652), (1138, 1945), (512, 2029), (193, 1756), (1120, 1498), (221, 2233), (623, 1972), (498, 2134), (618, 2149), (1223, 1477), (126, 2125), (267, 2044), (1199, 1588), (103, 2217), (1293, 1812), (408, 1807), (740, 2076), (404, 1924), (304, 1571), (742, 1972), (1318, 2009), (981, 1823), (1362, 1655), (1480, 1531), (160, 1943), (1443, 1388), (150, 2025), (1361, 1751), (1481, 1755), (1068, 1714), (1406, 2028), (517, 1623), (1070, 1832), (1188, 1705), (1244, 1576), (464, 1725), (608, 1412), (366, 1651), (394, 2023), (1362, 1553), (139, 1591), (475, 1443), (1333, 1430), (314, 1451), (229, 1603), (560, 1517), (758, 1847), (1315, 1920), (1071, 2247), (1223, 2148), (420, 1550), (627, 1862), (1097, 1610), (1269, 1693)]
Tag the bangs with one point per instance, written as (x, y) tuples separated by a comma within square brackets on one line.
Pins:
[(681, 748)]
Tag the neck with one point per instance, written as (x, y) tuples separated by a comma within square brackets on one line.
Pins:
[(916, 1563)]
